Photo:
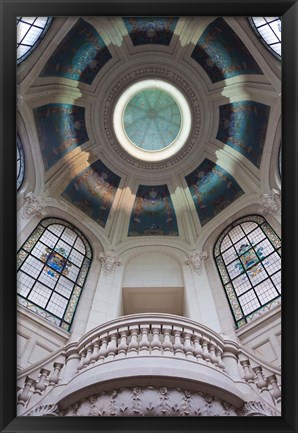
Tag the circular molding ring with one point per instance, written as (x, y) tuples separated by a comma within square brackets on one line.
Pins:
[(119, 128)]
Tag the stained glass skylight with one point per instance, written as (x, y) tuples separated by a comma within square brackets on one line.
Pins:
[(152, 120), (30, 31), (268, 30)]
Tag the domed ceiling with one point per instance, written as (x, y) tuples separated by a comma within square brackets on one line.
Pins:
[(191, 157)]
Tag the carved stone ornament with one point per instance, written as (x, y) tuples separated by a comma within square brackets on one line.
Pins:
[(257, 408), (195, 260), (150, 401), (109, 261), (271, 203), (144, 72), (46, 410), (34, 206)]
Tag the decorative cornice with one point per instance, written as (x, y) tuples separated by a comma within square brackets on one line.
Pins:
[(34, 206), (109, 261), (196, 260), (271, 203), (143, 73)]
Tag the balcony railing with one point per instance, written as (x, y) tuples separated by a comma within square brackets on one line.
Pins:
[(147, 337)]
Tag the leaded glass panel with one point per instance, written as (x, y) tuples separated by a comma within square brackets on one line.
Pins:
[(249, 264), (52, 269)]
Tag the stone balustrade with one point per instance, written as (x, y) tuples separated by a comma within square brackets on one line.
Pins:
[(148, 337)]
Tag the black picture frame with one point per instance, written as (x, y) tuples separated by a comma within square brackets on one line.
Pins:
[(289, 12)]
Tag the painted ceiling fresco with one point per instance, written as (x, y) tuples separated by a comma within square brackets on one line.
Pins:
[(60, 129), (93, 191), (152, 119), (153, 213), (212, 190), (243, 126), (222, 54), (150, 30), (80, 55)]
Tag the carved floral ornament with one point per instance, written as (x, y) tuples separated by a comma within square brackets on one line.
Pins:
[(109, 261), (153, 401), (143, 73), (34, 206), (271, 203), (196, 260)]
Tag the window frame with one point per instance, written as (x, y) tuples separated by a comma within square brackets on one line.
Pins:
[(37, 41), (25, 251), (261, 38), (238, 314)]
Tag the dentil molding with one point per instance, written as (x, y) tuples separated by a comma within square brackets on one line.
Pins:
[(146, 72)]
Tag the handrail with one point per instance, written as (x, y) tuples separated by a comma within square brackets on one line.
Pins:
[(151, 334)]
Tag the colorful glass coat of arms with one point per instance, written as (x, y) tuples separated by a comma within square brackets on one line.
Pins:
[(56, 261), (250, 257)]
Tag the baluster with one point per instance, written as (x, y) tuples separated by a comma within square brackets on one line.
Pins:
[(213, 357), (248, 374), (23, 397), (40, 385), (230, 359), (82, 354), (260, 382), (54, 377), (178, 346), (144, 343), (219, 357), (112, 346), (198, 353), (276, 392), (206, 355), (133, 345), (123, 346), (95, 353), (89, 354), (167, 345), (71, 365), (188, 347), (103, 348), (155, 343)]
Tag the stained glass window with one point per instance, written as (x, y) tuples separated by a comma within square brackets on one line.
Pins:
[(53, 265), (20, 163), (30, 31), (268, 30), (248, 258)]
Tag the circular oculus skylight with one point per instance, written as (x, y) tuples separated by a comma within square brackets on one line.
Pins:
[(152, 120)]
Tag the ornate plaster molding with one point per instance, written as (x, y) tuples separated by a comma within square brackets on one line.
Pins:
[(196, 260), (34, 206), (271, 202), (110, 261), (257, 408), (150, 401), (46, 410), (143, 73)]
